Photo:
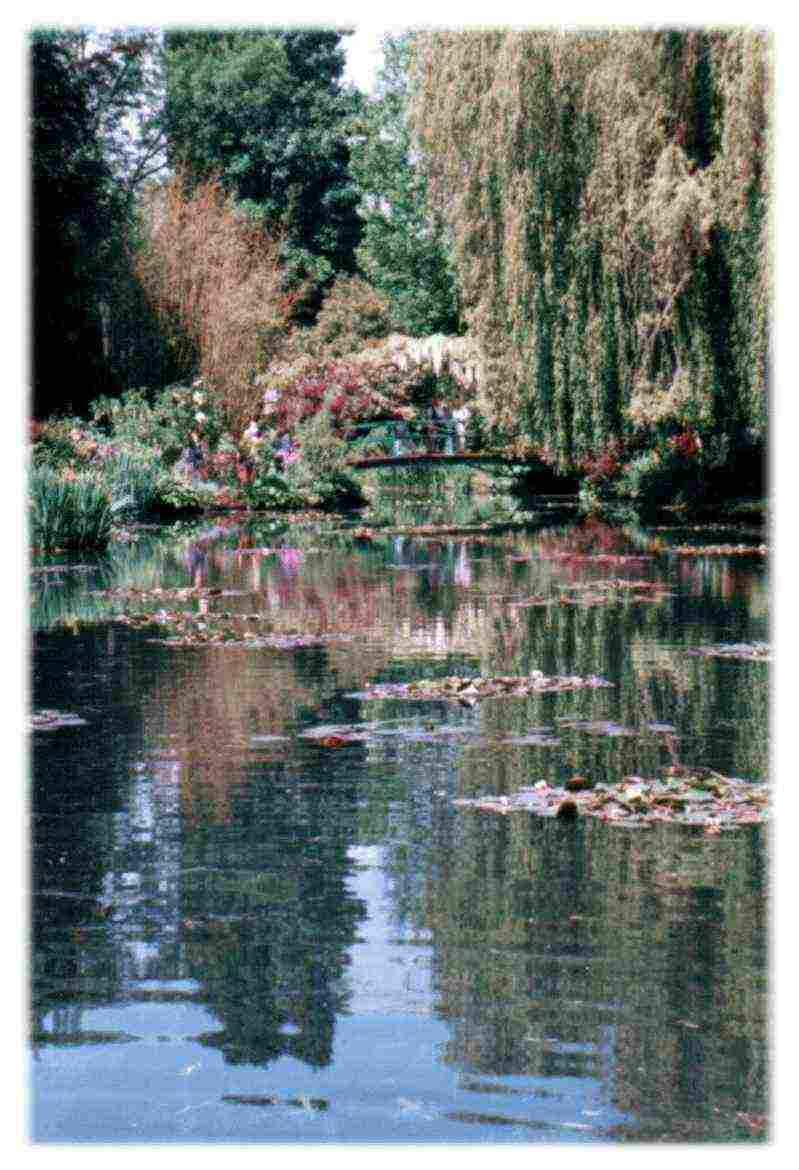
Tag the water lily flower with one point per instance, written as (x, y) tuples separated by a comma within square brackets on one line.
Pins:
[(200, 417)]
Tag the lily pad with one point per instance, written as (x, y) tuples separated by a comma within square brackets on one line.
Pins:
[(472, 689), (535, 738), (747, 652), (596, 726), (334, 735), (725, 803), (718, 550), (47, 720)]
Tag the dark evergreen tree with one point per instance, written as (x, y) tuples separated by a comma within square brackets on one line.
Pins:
[(95, 140), (72, 207)]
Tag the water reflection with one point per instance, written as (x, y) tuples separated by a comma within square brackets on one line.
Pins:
[(579, 951), (250, 891)]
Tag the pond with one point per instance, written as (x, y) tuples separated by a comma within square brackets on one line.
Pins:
[(273, 904)]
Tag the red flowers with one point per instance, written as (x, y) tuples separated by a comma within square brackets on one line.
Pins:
[(687, 444), (349, 390), (605, 465)]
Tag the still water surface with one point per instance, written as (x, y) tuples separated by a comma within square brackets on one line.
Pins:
[(241, 935)]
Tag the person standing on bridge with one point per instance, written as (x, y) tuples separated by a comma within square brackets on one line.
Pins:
[(460, 417), (439, 430)]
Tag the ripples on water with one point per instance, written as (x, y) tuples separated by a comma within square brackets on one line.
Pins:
[(239, 934)]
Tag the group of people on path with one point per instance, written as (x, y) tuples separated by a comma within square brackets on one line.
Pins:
[(446, 430)]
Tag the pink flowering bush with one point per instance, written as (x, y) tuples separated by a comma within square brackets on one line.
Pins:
[(686, 444), (354, 389)]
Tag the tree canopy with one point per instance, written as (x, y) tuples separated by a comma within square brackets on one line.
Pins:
[(265, 111), (607, 195), (405, 251)]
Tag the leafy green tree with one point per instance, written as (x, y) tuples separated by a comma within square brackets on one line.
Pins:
[(121, 73), (265, 111), (404, 251)]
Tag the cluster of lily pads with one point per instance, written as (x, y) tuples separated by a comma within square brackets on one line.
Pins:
[(746, 651), (429, 731), (601, 593), (182, 628), (684, 795), (364, 532), (48, 720), (719, 550), (471, 689), (598, 558), (182, 593), (228, 629)]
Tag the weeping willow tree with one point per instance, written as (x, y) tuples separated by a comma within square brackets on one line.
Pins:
[(607, 195)]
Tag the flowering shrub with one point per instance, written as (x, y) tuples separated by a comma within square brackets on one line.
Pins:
[(604, 466), (179, 417), (315, 470), (225, 467), (65, 442), (352, 389), (186, 417), (687, 444), (264, 486)]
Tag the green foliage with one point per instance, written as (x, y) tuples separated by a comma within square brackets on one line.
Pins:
[(96, 98), (404, 251), (128, 418), (607, 197), (68, 511), (268, 487), (166, 424), (353, 313), (131, 479), (264, 110), (657, 478), (319, 476), (172, 493)]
